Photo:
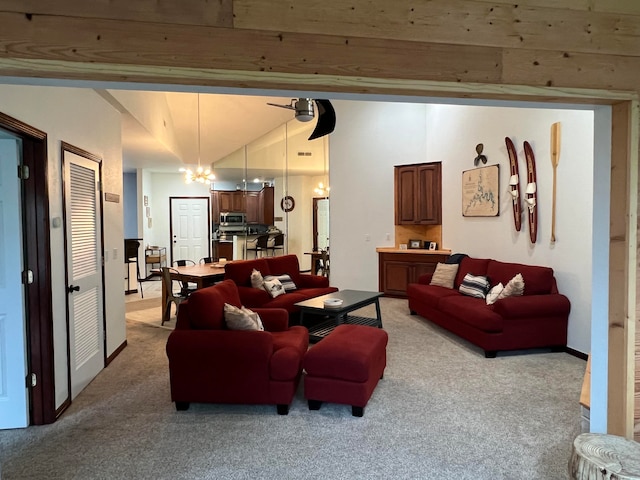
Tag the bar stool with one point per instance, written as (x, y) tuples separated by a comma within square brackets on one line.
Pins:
[(131, 248)]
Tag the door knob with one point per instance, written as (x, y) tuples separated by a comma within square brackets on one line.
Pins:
[(73, 288)]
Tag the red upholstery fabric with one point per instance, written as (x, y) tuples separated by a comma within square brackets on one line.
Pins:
[(431, 295), (240, 270), (537, 280), (308, 286), (474, 266), (216, 365), (207, 305), (537, 319), (345, 366), (475, 311)]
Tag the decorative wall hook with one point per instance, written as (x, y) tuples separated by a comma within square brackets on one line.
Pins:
[(480, 157)]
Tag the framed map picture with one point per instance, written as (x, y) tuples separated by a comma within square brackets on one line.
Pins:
[(480, 192)]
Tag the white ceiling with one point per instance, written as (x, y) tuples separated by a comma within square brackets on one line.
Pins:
[(227, 123)]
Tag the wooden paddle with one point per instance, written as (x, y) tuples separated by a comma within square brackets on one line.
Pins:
[(555, 159)]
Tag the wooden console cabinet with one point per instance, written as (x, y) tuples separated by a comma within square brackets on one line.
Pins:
[(418, 194), (399, 268)]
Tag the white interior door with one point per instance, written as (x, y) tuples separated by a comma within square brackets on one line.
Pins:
[(323, 224), (14, 398), (190, 228), (84, 270)]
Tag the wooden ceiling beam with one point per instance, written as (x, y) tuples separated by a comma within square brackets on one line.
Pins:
[(460, 22)]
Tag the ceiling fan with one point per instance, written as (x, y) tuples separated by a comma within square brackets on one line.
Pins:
[(305, 112)]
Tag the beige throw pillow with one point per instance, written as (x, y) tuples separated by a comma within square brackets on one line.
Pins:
[(444, 275), (256, 279), (241, 318), (514, 288), (274, 287), (494, 293)]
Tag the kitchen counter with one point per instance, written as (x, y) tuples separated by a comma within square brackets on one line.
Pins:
[(420, 251)]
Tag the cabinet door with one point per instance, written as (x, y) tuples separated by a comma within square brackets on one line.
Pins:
[(215, 207), (238, 204), (253, 207), (397, 275), (429, 194), (405, 195), (225, 201), (266, 206)]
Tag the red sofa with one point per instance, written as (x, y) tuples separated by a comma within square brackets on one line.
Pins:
[(308, 286), (536, 319), (210, 364)]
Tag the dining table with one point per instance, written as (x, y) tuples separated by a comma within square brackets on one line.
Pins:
[(316, 256), (203, 275)]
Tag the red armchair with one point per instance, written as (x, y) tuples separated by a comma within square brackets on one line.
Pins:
[(210, 364)]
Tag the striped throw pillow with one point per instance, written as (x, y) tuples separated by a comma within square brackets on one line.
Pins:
[(475, 286), (285, 280)]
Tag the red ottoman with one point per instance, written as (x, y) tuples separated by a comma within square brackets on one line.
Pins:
[(345, 367)]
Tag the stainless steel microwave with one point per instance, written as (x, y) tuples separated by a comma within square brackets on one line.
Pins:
[(232, 218)]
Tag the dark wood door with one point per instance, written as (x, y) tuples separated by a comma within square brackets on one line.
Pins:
[(266, 206)]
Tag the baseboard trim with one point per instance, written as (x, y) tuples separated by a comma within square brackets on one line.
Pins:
[(117, 351), (576, 353)]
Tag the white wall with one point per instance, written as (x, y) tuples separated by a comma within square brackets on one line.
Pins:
[(162, 186), (362, 196), (452, 136), (82, 118)]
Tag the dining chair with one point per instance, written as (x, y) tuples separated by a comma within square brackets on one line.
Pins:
[(186, 289), (206, 260), (131, 248), (259, 246), (323, 269), (170, 295), (276, 242)]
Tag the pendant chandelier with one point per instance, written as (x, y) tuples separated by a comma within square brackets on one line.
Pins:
[(200, 175)]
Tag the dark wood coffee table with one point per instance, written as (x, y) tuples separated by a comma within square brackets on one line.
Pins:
[(351, 300)]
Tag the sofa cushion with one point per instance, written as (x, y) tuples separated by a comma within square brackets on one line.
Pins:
[(474, 266), (206, 305), (257, 281), (515, 288), (241, 318), (473, 311), (274, 287), (284, 264), (240, 270), (429, 294), (474, 286), (285, 280), (288, 350), (537, 280), (444, 275)]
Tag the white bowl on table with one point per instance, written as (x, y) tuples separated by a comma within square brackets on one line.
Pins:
[(333, 302)]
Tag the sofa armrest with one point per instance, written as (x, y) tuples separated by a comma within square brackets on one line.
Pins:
[(313, 281), (425, 278), (551, 305), (201, 350), (273, 319)]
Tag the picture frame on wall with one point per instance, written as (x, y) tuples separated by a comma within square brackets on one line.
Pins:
[(415, 244), (481, 192)]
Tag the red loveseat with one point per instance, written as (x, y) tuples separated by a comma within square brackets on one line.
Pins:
[(534, 320), (307, 286), (210, 364)]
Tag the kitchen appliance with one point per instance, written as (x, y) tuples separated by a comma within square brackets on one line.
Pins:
[(230, 219)]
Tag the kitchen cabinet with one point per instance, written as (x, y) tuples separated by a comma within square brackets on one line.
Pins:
[(418, 194), (399, 268), (252, 203), (222, 249), (258, 206)]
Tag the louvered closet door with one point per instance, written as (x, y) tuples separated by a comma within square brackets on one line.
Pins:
[(84, 271)]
